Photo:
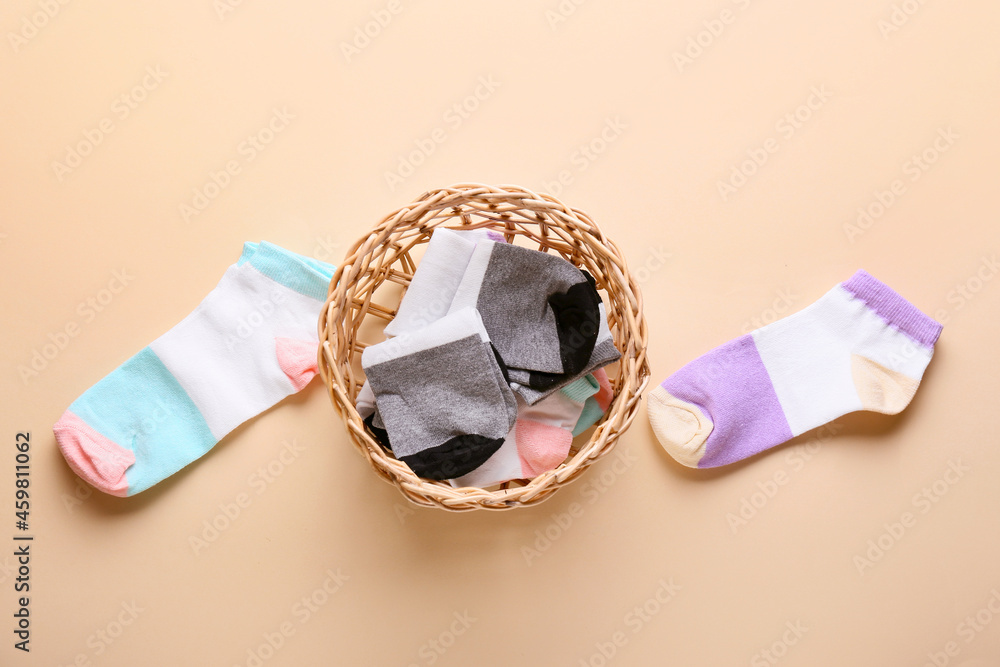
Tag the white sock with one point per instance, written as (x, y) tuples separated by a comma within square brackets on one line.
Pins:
[(433, 286), (250, 343)]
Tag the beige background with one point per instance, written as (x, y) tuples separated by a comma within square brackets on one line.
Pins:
[(119, 582)]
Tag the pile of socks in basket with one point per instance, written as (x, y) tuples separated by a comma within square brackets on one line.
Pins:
[(493, 363)]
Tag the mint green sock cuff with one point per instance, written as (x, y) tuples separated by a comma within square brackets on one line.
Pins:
[(249, 248), (591, 414), (305, 275), (582, 389), (325, 268)]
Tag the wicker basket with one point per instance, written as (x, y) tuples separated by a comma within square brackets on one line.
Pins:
[(378, 268)]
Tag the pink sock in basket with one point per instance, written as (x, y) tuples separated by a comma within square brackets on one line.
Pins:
[(541, 437)]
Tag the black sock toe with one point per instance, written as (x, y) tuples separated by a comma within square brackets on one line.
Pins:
[(456, 457), (578, 317)]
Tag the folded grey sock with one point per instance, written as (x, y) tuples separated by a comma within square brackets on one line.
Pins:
[(541, 312), (441, 396), (603, 354), (365, 402)]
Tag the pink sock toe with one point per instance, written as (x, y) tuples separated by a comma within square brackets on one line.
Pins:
[(541, 447), (605, 393), (298, 359), (95, 458)]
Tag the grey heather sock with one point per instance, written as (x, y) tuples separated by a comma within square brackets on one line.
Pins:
[(441, 396), (541, 312), (603, 354)]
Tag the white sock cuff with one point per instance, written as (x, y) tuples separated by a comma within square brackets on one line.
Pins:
[(467, 294), (435, 281), (452, 327)]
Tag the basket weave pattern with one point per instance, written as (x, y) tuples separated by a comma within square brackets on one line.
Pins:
[(383, 256)]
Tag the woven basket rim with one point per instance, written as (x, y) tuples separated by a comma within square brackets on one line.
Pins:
[(382, 255)]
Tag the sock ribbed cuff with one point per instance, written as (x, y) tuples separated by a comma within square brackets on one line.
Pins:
[(582, 389), (893, 308), (305, 275)]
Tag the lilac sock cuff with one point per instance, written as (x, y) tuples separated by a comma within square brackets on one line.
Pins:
[(893, 308)]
